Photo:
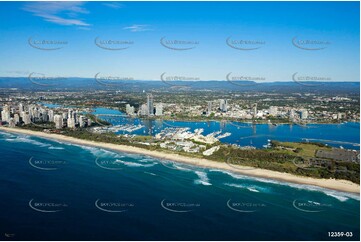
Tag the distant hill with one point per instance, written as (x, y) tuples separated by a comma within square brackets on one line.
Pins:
[(134, 86)]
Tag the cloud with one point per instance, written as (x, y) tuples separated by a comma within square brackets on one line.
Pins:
[(62, 13), (138, 28), (114, 5)]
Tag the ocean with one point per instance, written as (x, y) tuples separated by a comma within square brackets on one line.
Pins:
[(59, 191)]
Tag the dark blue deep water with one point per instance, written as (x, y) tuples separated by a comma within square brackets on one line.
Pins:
[(58, 191)]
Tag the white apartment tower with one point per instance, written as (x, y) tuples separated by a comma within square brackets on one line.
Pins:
[(58, 120), (5, 113), (159, 109)]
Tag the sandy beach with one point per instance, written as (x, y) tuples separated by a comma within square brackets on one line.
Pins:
[(340, 185)]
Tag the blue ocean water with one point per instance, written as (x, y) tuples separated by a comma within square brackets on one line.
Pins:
[(58, 191)]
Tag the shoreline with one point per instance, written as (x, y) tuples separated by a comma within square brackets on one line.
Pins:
[(333, 184)]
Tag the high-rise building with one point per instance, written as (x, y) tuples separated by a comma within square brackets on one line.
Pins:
[(44, 115), (5, 113), (129, 109), (255, 110), (273, 111), (159, 109), (81, 121), (21, 108), (223, 105), (76, 117), (292, 114), (339, 116), (35, 113), (304, 114), (71, 119), (221, 101), (16, 118), (209, 107), (12, 123), (71, 123), (26, 118), (143, 110), (51, 115), (150, 104), (70, 113), (58, 120)]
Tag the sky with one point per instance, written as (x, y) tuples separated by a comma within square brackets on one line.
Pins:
[(269, 41)]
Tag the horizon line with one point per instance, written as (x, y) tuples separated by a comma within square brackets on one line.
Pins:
[(159, 80)]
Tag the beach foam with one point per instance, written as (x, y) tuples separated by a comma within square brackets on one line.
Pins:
[(203, 178), (55, 148), (341, 196), (26, 139), (134, 164), (251, 188), (261, 175)]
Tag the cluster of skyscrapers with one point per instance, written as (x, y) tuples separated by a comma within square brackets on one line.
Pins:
[(253, 113), (27, 114), (223, 106), (146, 109)]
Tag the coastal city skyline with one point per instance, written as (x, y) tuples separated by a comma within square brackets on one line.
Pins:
[(180, 121)]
